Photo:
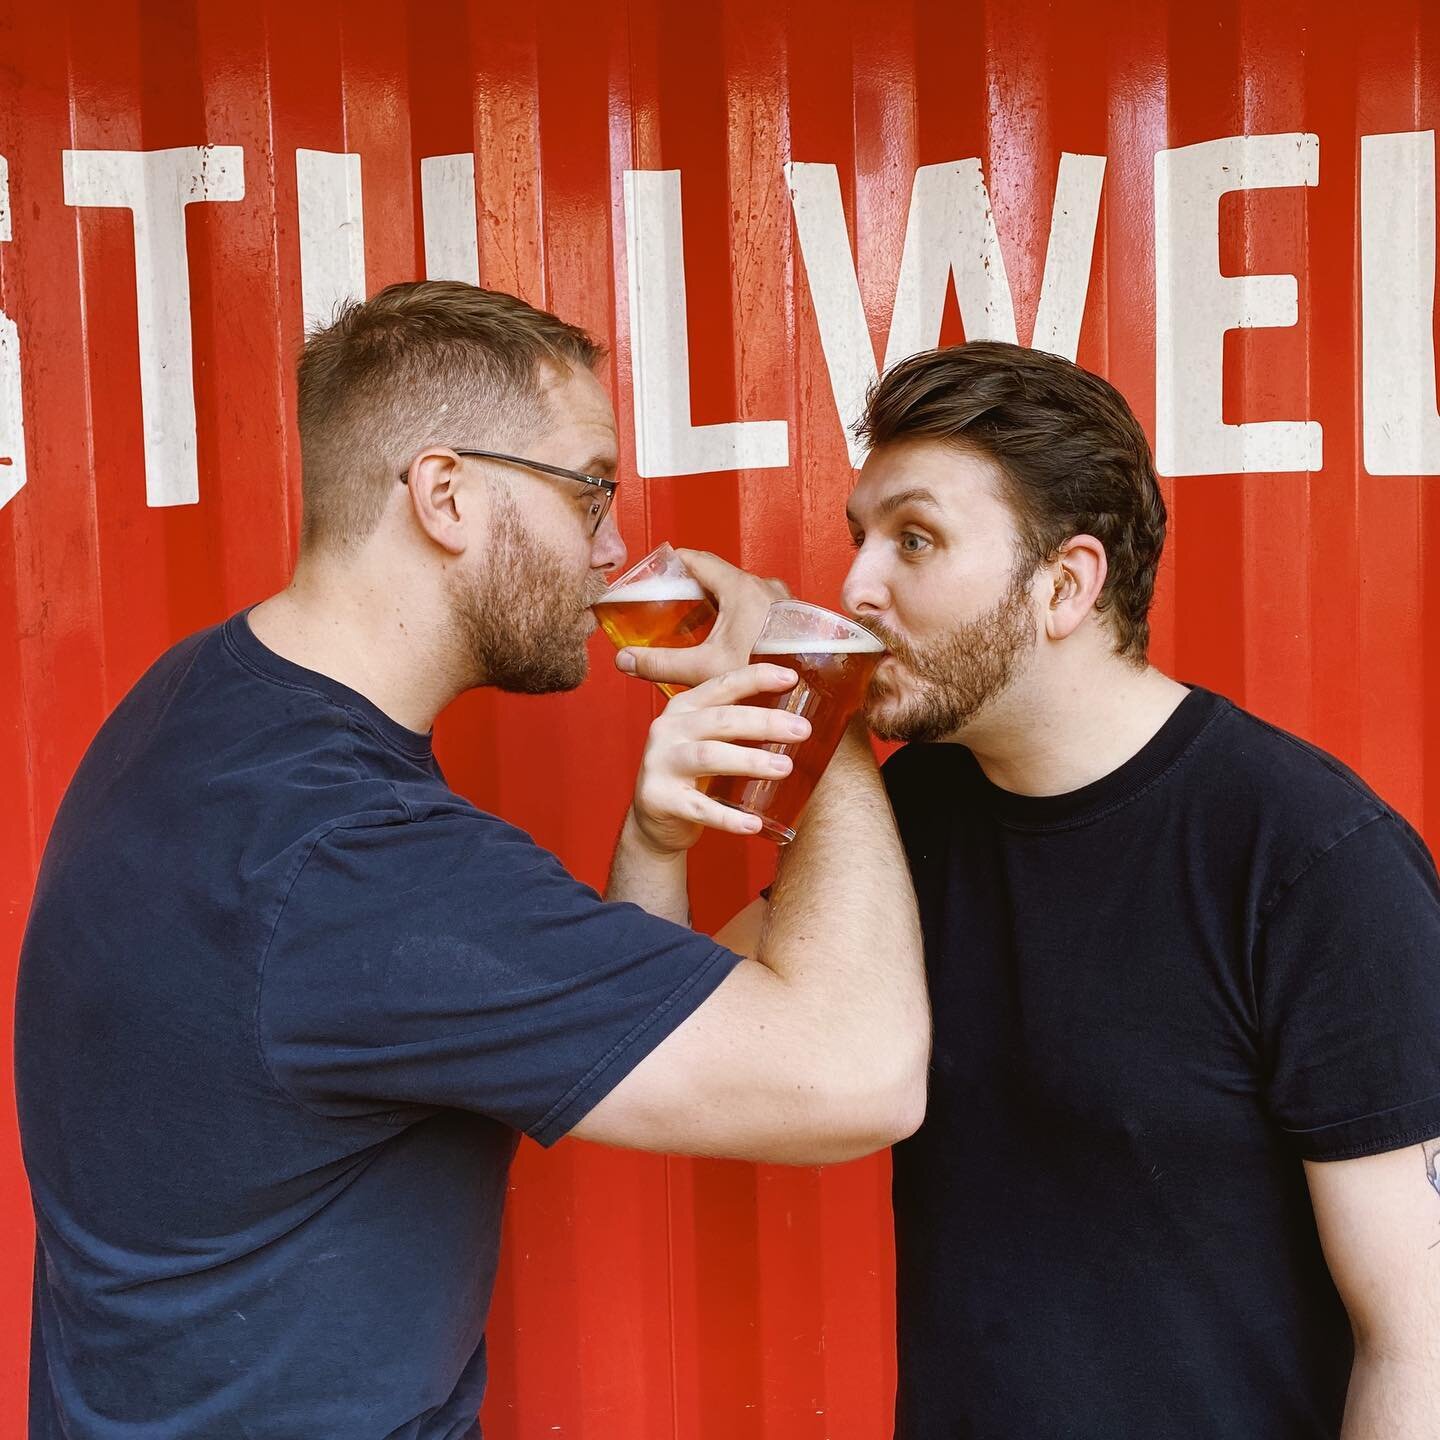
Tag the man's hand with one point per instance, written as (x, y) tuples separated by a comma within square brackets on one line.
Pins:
[(743, 601), (704, 732)]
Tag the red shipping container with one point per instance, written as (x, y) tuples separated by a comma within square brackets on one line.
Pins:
[(754, 206)]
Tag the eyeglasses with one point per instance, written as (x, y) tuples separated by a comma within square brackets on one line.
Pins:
[(599, 505)]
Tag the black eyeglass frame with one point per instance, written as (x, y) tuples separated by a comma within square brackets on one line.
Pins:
[(607, 488)]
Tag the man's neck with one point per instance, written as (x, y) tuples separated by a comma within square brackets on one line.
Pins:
[(367, 638), (1069, 735)]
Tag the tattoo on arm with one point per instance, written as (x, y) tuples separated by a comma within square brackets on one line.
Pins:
[(1431, 1151), (1432, 1162)]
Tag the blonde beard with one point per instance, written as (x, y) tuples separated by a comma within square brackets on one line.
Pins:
[(522, 621)]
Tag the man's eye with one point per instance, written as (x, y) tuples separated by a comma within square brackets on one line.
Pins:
[(856, 540), (913, 544)]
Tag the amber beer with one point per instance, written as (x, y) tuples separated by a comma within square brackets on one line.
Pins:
[(657, 602), (835, 672), (669, 611)]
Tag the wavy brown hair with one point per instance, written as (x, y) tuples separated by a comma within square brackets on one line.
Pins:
[(1074, 458)]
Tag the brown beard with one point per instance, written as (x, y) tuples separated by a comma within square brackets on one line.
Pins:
[(523, 620), (956, 675)]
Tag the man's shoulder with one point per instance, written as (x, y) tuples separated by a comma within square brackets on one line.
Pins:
[(206, 747), (1280, 804), (168, 672), (1249, 766)]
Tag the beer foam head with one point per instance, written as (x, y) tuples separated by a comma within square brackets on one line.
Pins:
[(659, 587), (820, 645)]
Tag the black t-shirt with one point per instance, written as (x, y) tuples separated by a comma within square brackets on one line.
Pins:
[(1153, 997), (286, 1003)]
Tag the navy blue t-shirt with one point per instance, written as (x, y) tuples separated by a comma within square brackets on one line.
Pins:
[(286, 1002), (1154, 998)]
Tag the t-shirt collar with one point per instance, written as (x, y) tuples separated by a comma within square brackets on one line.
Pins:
[(1165, 749), (266, 662)]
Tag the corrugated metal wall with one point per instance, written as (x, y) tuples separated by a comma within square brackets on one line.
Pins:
[(644, 1296)]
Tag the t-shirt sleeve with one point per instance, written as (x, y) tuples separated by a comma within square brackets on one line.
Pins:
[(1348, 989), (452, 962)]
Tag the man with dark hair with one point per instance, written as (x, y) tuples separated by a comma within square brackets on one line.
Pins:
[(1184, 968), (287, 1002)]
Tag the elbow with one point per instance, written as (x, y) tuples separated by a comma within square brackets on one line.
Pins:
[(902, 1083), (858, 1099), (901, 1103), (910, 1106), (909, 1085), (871, 1111)]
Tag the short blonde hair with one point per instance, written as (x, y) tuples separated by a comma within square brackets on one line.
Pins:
[(430, 362)]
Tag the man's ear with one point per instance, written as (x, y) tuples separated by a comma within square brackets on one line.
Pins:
[(434, 483), (1077, 576)]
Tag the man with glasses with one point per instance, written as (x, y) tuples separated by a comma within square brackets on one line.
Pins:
[(287, 1001)]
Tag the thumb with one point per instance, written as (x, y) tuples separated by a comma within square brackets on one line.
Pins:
[(664, 666)]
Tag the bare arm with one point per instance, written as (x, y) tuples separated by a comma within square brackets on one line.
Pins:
[(1379, 1221), (655, 880), (817, 1048)]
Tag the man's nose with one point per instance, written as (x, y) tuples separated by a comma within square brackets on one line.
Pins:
[(608, 553), (864, 591)]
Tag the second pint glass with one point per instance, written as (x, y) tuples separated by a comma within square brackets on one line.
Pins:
[(835, 659), (656, 602)]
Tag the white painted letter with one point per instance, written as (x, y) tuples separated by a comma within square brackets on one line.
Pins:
[(1397, 282), (666, 443), (1069, 254), (950, 231), (12, 410), (332, 233), (1195, 305), (834, 291), (156, 186), (447, 199)]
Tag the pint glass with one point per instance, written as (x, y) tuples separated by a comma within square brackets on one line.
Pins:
[(834, 658), (656, 602)]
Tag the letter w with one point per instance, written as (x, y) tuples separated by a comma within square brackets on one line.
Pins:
[(951, 231)]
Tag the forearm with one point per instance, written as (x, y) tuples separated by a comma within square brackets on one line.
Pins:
[(1394, 1395), (652, 879), (842, 924)]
